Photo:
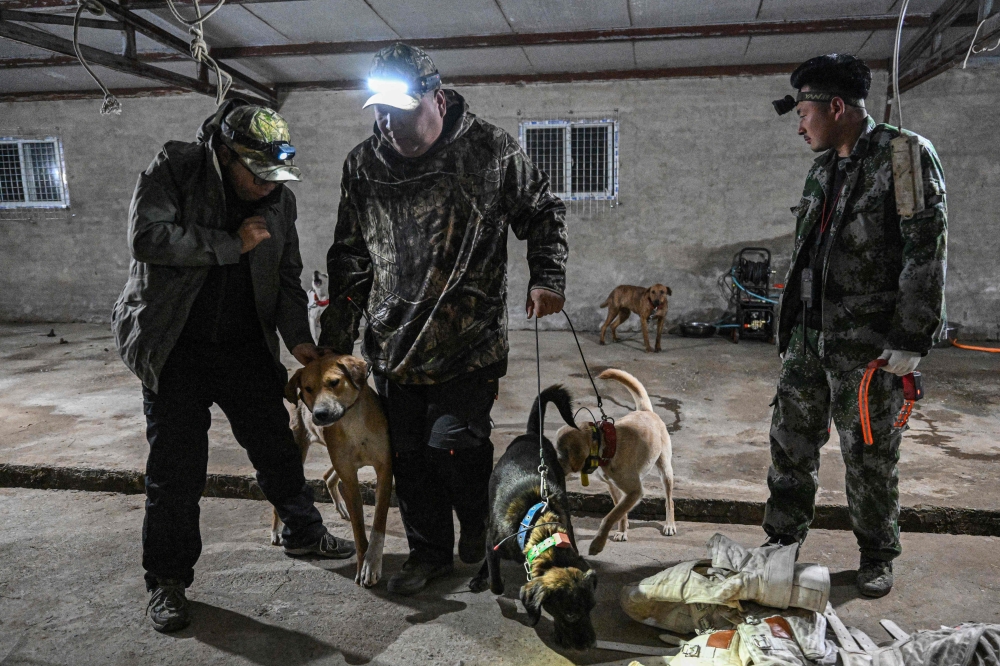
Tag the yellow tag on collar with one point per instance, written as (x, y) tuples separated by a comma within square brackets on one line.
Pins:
[(584, 480)]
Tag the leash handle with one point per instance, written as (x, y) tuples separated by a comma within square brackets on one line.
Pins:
[(600, 404)]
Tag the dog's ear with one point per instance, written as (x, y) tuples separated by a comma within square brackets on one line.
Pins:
[(292, 387), (532, 596), (669, 292), (355, 369), (590, 578)]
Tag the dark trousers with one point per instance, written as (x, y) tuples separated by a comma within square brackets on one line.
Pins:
[(442, 459), (246, 385)]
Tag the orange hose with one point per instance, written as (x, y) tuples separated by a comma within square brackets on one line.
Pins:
[(973, 348)]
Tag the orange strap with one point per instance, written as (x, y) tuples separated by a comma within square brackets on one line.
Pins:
[(866, 380), (983, 349)]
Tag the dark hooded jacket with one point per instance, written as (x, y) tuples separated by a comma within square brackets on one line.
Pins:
[(421, 244), (176, 233)]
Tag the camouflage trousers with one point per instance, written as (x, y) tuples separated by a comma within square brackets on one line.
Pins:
[(808, 398)]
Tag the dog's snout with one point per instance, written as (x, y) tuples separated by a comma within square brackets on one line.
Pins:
[(321, 414)]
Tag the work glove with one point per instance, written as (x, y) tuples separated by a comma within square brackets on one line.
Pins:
[(900, 361)]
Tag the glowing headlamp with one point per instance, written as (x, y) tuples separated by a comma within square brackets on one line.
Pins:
[(388, 86)]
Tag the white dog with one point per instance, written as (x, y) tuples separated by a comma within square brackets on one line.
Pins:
[(319, 299)]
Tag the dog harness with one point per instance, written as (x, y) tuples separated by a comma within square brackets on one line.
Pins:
[(603, 446), (913, 390)]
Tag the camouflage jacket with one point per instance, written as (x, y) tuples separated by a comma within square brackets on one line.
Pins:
[(176, 234), (421, 243), (883, 279)]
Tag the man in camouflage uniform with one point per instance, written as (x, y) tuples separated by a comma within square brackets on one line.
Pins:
[(215, 276), (421, 245), (878, 292)]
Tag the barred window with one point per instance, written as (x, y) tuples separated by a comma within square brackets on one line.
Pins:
[(579, 157), (32, 174)]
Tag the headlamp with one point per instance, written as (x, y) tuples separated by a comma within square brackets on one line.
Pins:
[(784, 105), (279, 150), (388, 86)]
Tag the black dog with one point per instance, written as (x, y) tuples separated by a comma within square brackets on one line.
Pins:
[(561, 582)]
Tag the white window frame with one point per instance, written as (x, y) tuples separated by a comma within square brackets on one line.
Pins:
[(61, 162), (611, 192)]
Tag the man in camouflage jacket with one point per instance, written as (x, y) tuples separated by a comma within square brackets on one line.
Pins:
[(421, 246), (878, 292)]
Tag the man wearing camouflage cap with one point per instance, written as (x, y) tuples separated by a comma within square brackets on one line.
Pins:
[(421, 244), (214, 278)]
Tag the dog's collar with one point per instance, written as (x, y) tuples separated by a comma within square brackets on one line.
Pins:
[(316, 303), (526, 523), (603, 446), (557, 540)]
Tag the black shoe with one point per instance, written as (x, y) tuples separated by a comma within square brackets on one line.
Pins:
[(472, 547), (874, 577), (328, 546), (415, 575), (168, 607)]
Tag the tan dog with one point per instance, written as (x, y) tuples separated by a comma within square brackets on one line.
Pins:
[(335, 408), (643, 442), (626, 299)]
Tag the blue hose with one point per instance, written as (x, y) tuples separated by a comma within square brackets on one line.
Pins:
[(741, 287)]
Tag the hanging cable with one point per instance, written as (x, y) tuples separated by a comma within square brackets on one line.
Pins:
[(972, 46), (199, 48), (895, 61), (111, 104)]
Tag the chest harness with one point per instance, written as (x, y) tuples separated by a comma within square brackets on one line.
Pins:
[(913, 390)]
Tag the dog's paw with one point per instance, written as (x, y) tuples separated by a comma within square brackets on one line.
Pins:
[(478, 584), (597, 545), (669, 529), (658, 349), (619, 536), (342, 510), (370, 567), (600, 342), (275, 537)]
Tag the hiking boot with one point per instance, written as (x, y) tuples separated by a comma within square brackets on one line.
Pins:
[(328, 546), (472, 547), (874, 577), (168, 607), (415, 575)]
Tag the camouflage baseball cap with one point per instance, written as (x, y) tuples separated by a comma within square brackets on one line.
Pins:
[(400, 75), (259, 137)]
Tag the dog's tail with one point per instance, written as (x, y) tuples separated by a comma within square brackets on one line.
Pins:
[(560, 397), (605, 303), (638, 391)]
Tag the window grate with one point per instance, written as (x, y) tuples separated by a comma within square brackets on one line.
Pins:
[(32, 174), (579, 157)]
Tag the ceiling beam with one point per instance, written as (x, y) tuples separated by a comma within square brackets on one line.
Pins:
[(521, 39), (947, 57), (158, 34), (134, 4), (944, 17), (56, 19), (577, 77), (68, 95), (50, 42), (756, 28)]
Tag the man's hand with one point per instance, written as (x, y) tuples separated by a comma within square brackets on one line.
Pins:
[(307, 352), (542, 302), (252, 232), (900, 362)]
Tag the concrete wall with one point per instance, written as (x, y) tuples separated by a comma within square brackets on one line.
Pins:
[(706, 168)]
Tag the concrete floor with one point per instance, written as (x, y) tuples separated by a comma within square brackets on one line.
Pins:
[(71, 592), (76, 404)]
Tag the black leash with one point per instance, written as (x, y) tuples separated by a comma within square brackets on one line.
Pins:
[(600, 404), (543, 488)]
